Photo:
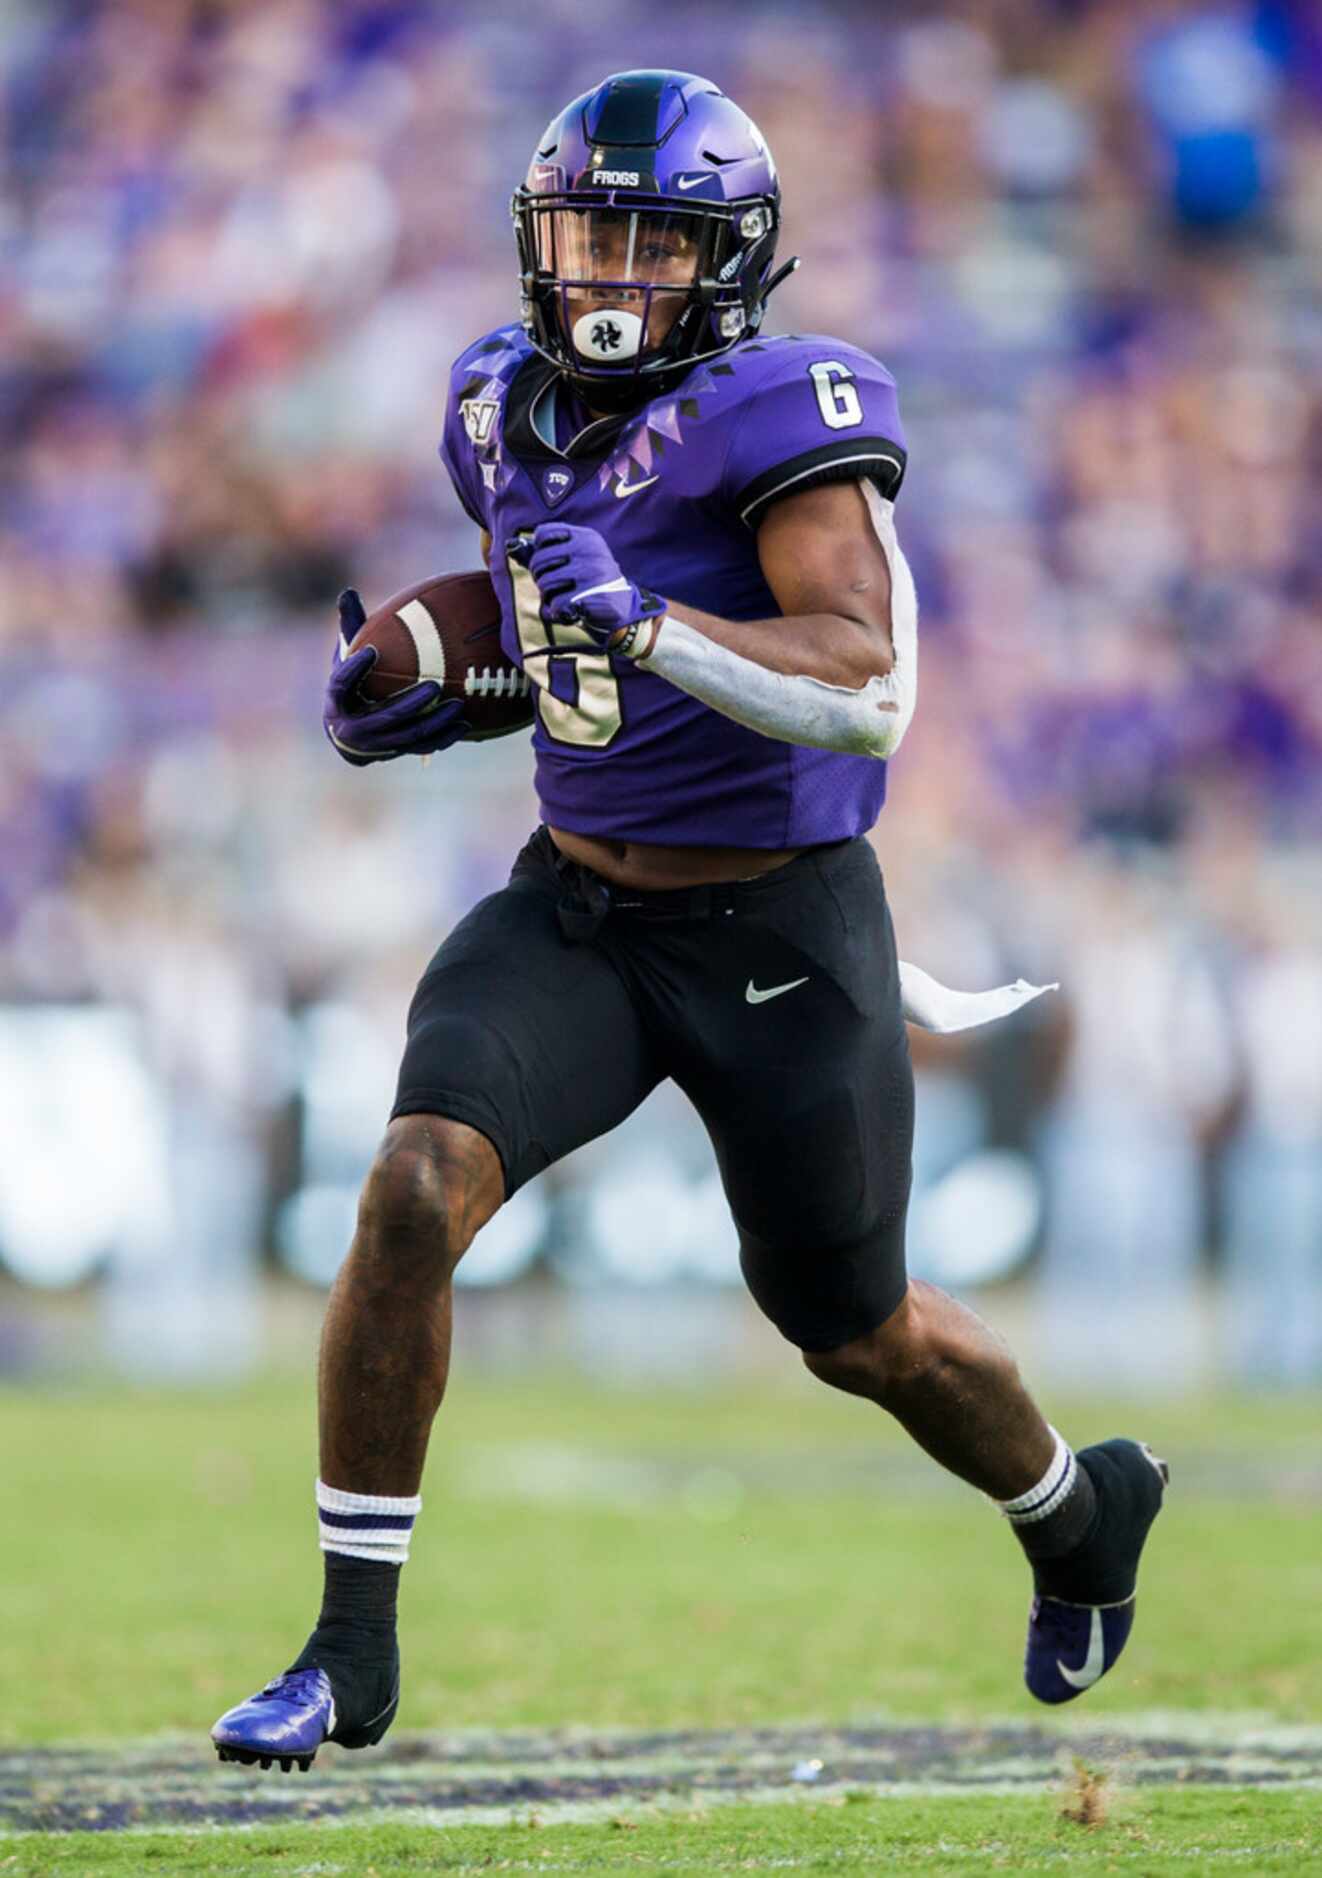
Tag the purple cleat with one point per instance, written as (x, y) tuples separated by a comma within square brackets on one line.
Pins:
[(1072, 1643), (1071, 1646), (288, 1720)]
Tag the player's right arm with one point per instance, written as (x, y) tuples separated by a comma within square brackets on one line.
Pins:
[(409, 724), (412, 723)]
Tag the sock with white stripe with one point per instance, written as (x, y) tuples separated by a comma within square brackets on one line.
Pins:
[(1057, 1515), (366, 1525), (365, 1542)]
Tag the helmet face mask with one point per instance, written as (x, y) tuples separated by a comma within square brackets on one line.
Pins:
[(637, 259), (643, 262)]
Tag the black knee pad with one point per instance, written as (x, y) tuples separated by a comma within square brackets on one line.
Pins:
[(819, 1300)]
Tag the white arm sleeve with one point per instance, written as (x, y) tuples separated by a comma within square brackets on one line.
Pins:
[(868, 721), (934, 1006)]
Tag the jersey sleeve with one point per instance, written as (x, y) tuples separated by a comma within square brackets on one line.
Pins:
[(827, 414), (460, 461)]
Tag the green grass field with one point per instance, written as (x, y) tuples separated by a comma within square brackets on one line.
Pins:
[(767, 1562)]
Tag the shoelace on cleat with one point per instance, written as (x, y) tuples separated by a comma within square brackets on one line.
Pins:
[(290, 1686)]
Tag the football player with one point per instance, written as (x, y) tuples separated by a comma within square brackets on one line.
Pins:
[(691, 529)]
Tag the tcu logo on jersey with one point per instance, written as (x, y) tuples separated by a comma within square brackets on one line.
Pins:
[(555, 484), (479, 414)]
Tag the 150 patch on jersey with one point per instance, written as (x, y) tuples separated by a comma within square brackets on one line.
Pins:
[(479, 414)]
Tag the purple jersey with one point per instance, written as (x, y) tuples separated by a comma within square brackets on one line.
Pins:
[(677, 489)]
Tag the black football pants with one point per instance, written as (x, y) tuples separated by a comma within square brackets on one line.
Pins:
[(560, 1002)]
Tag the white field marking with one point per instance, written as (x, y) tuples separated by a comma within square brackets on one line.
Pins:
[(558, 1474), (1003, 1747), (655, 1808), (581, 1744), (566, 1473)]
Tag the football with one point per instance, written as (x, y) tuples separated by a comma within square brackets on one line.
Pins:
[(448, 628)]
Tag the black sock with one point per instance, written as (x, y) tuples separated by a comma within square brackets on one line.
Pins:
[(354, 1640), (1066, 1527), (1101, 1567), (360, 1594), (1054, 1517)]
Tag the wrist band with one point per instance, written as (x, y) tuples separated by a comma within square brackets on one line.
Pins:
[(625, 645)]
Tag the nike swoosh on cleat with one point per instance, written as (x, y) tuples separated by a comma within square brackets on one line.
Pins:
[(1157, 1462), (1093, 1664), (754, 996)]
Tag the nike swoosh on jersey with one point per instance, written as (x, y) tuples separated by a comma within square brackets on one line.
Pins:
[(754, 996), (631, 489), (1093, 1664)]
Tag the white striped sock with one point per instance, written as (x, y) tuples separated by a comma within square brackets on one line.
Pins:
[(366, 1525), (1049, 1494)]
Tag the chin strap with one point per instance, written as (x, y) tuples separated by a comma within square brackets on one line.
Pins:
[(782, 273)]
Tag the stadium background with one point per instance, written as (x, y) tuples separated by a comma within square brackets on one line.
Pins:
[(240, 244)]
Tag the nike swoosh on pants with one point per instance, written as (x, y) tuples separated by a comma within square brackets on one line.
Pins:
[(754, 996)]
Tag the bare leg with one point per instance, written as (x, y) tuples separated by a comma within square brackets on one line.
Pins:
[(950, 1381), (385, 1347), (385, 1352), (953, 1384)]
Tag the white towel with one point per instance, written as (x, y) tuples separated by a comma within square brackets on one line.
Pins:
[(933, 1006)]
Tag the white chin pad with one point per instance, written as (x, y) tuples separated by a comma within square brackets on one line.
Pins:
[(608, 334)]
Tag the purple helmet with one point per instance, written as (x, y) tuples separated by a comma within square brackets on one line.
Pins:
[(646, 229)]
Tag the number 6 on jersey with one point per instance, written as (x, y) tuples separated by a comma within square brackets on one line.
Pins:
[(837, 399)]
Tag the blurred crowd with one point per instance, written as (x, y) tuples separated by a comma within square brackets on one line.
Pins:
[(240, 242)]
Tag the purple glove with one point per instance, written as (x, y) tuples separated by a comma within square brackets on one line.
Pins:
[(580, 581), (410, 724)]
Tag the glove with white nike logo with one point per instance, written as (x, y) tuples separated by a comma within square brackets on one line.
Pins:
[(580, 583), (412, 723)]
